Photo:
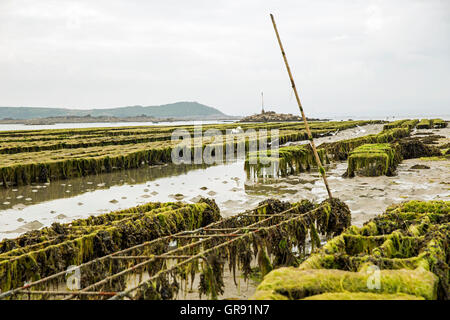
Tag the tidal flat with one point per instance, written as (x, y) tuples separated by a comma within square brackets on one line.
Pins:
[(91, 192), (27, 207)]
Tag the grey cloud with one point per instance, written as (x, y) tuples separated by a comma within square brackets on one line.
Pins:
[(362, 58)]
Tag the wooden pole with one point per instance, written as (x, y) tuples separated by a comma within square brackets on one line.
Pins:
[(308, 131), (262, 102)]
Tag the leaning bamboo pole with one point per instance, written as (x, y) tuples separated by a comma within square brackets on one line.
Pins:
[(311, 140)]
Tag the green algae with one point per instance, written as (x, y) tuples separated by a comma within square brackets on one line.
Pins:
[(363, 296), (47, 155), (298, 284), (410, 124), (442, 158), (425, 124), (269, 247), (382, 158), (439, 123), (340, 150), (373, 160), (416, 147), (283, 161), (29, 167), (408, 246), (43, 261), (415, 206), (401, 123)]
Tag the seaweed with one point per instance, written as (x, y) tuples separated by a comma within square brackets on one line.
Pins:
[(283, 161), (373, 160), (281, 240), (401, 123), (42, 261), (415, 147), (425, 124), (408, 246), (439, 123), (46, 155), (295, 283), (340, 150), (211, 278)]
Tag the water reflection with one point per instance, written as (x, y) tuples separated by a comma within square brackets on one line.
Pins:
[(19, 197), (30, 207)]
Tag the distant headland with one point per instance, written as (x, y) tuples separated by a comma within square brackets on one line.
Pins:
[(168, 112)]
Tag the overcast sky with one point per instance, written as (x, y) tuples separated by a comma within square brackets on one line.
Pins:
[(359, 58)]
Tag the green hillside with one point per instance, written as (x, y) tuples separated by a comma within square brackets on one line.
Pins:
[(173, 110)]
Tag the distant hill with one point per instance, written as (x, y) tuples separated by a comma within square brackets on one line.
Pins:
[(173, 110)]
